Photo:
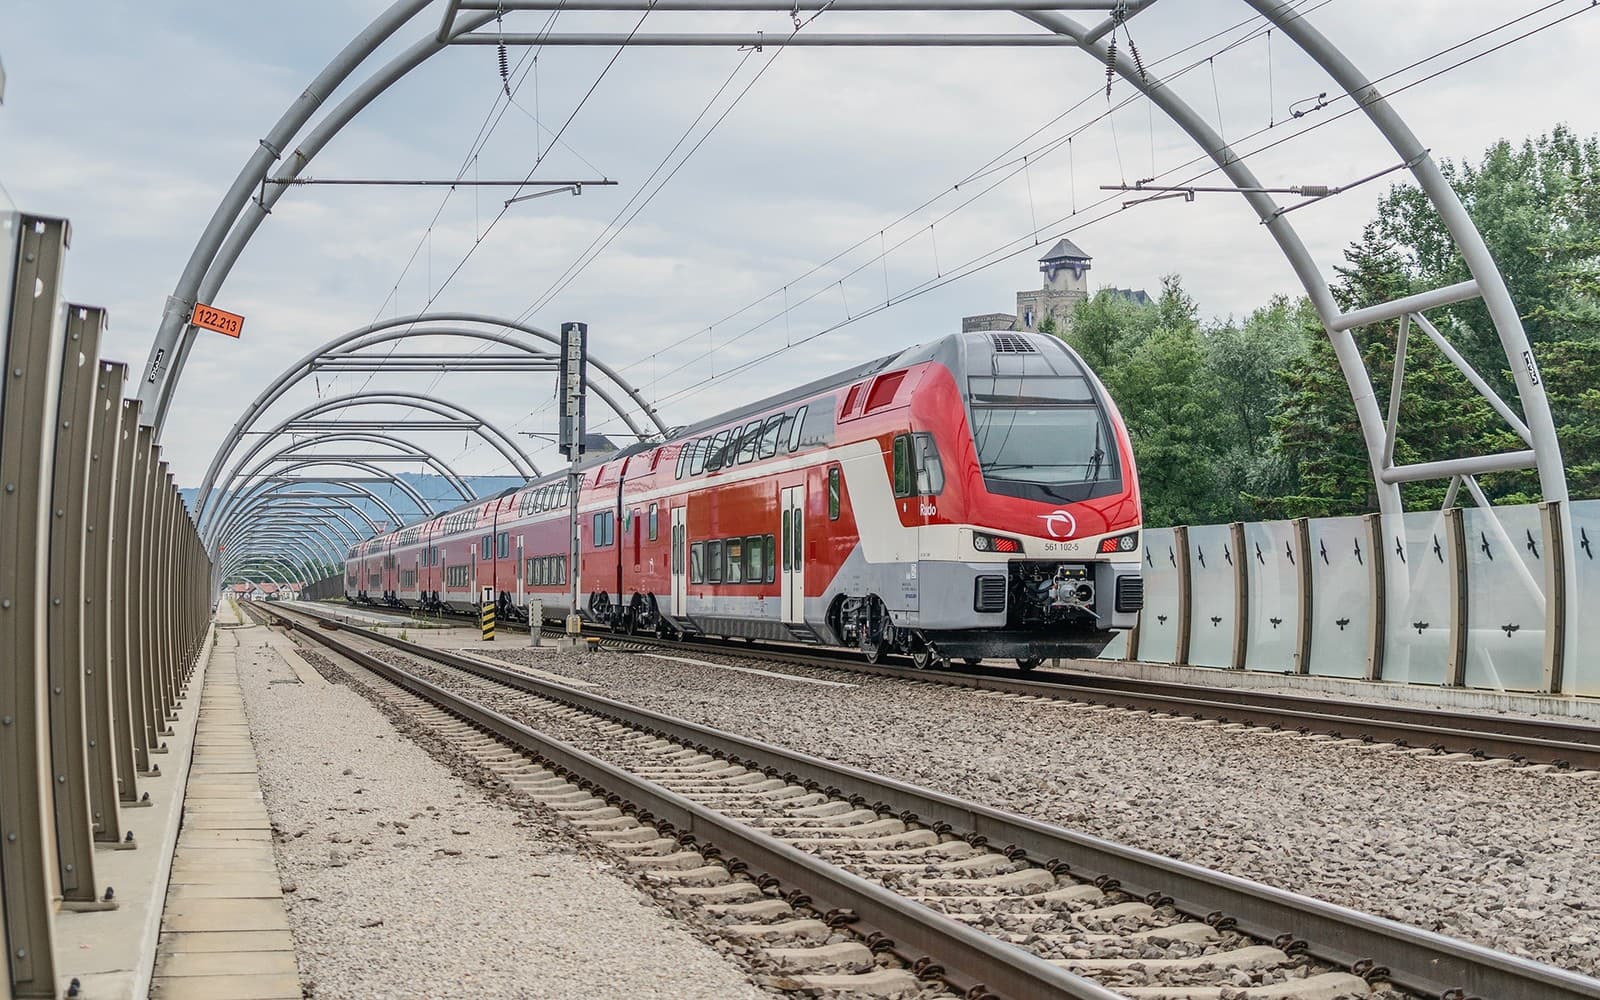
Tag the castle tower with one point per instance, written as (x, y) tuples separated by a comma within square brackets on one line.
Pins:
[(1066, 284)]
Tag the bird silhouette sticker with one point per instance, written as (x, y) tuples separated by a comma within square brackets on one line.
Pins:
[(1172, 557), (1259, 557), (1288, 552), (1438, 552), (1147, 558), (1509, 628), (1583, 533), (1399, 549), (1342, 622), (1228, 556), (1358, 552), (1162, 619), (1215, 621), (1275, 622), (1484, 546), (1533, 546), (1323, 546), (1200, 550), (1420, 626)]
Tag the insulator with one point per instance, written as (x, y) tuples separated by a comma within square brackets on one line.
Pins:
[(505, 70), (1111, 63)]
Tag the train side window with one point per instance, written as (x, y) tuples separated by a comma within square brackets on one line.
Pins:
[(654, 522), (733, 572), (755, 559), (769, 436), (772, 568), (834, 489), (484, 544), (930, 470), (714, 451), (713, 562), (683, 458), (786, 530), (750, 441), (697, 562), (697, 456), (502, 546), (795, 428), (903, 478)]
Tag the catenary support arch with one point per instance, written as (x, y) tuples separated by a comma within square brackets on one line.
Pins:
[(311, 540), (403, 449), (507, 447), (422, 505), (442, 324), (286, 487)]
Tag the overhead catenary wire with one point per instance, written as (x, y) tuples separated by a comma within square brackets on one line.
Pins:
[(1022, 244)]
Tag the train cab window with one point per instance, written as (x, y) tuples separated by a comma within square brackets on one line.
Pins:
[(733, 549), (713, 562), (697, 563), (903, 478), (502, 545), (930, 471), (755, 559), (770, 432), (795, 428), (834, 489), (750, 441), (654, 522)]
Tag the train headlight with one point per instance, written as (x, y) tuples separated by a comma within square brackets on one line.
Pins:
[(1119, 543), (996, 543)]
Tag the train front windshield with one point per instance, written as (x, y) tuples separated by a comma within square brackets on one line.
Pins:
[(1041, 429)]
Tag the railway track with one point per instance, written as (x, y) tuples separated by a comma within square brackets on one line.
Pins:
[(1542, 743), (985, 902)]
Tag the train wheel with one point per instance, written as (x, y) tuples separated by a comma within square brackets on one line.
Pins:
[(923, 656), (871, 630), (1029, 662)]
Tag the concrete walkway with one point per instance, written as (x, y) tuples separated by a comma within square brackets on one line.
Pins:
[(224, 933)]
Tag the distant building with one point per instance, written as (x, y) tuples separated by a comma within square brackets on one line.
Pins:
[(1066, 284), (987, 322)]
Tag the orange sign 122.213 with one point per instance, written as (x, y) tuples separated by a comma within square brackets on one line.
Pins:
[(217, 321)]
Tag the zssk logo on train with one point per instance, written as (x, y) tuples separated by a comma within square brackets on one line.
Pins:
[(1059, 523)]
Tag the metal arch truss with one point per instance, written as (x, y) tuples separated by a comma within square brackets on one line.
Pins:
[(240, 213)]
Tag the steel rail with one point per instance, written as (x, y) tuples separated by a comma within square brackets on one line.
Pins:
[(1415, 959), (1563, 743), (938, 946)]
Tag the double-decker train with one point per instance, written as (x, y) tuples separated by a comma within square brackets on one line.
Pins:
[(971, 497)]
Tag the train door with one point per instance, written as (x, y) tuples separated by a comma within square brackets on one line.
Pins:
[(792, 565), (680, 558)]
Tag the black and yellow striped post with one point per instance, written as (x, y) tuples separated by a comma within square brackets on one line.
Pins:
[(486, 619)]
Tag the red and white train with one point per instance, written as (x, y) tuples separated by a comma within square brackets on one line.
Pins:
[(971, 497)]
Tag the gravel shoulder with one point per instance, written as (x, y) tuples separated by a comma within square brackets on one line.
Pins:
[(1508, 859), (408, 882)]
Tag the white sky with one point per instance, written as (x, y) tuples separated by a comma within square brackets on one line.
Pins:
[(132, 120)]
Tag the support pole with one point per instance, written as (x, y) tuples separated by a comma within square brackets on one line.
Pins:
[(33, 351)]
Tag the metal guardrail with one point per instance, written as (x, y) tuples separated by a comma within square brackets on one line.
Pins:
[(104, 603), (1418, 960)]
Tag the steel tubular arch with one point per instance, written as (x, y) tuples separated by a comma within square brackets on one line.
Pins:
[(406, 448), (155, 388), (302, 527), (422, 505), (496, 438), (406, 327), (247, 493), (340, 501)]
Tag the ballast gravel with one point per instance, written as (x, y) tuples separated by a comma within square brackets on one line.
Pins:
[(1502, 857), (403, 881)]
